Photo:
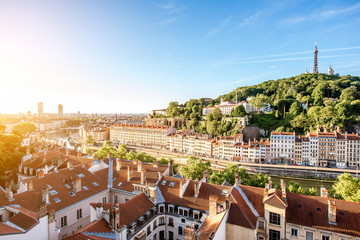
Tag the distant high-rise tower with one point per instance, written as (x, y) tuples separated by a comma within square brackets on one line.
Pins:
[(315, 70), (60, 109), (40, 108), (331, 70)]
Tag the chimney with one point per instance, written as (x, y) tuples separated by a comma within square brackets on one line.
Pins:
[(44, 159), (171, 167), (129, 173), (196, 188), (182, 182), (152, 191), (46, 169), (78, 154), (228, 201), (69, 165), (206, 176), (143, 176), (20, 168), (30, 185), (118, 164), (99, 210), (283, 188), (155, 164), (237, 179), (77, 184), (324, 192), (266, 189), (45, 194), (332, 211), (139, 166), (8, 192), (41, 173), (158, 175), (66, 151), (270, 184), (109, 156), (213, 199)]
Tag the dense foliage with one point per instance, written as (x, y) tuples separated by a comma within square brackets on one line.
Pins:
[(24, 128), (301, 103), (347, 187), (11, 152), (73, 123)]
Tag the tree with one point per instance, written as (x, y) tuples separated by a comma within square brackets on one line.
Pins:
[(295, 109), (131, 155), (217, 114), (23, 129), (259, 101), (347, 187), (11, 153), (106, 149), (349, 94), (122, 151), (227, 175), (194, 168), (73, 123), (172, 105), (239, 111), (90, 140)]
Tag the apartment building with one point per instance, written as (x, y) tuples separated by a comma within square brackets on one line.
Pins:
[(141, 135), (326, 149), (352, 149), (283, 147)]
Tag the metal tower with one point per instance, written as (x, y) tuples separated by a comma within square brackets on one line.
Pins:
[(315, 70)]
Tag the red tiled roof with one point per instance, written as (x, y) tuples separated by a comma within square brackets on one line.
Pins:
[(23, 221), (130, 210), (97, 226), (303, 210), (210, 226), (140, 126), (6, 229), (240, 213)]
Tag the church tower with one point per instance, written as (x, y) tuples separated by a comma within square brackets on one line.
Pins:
[(315, 70), (331, 70)]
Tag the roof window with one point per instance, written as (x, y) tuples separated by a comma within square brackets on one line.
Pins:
[(53, 192)]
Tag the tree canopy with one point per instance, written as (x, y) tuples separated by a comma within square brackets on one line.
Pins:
[(24, 128), (347, 187), (195, 168)]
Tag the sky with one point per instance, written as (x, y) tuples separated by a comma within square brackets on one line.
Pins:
[(135, 56)]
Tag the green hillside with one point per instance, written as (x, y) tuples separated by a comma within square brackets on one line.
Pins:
[(300, 104)]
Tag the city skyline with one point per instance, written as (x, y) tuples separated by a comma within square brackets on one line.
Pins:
[(136, 56)]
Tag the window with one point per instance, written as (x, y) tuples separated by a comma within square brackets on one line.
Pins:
[(104, 199), (274, 235), (161, 209), (63, 221), (1, 217), (181, 212), (180, 231), (261, 224), (148, 230), (162, 221), (171, 209), (154, 237), (260, 238), (309, 235), (294, 232), (154, 225), (274, 218), (79, 227), (325, 237), (64, 236), (115, 199), (171, 235), (126, 199), (183, 220), (196, 216), (171, 222), (185, 213), (79, 213)]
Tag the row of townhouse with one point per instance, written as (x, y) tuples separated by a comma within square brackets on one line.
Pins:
[(316, 148), (99, 133)]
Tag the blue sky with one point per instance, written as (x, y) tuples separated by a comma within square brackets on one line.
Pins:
[(134, 56)]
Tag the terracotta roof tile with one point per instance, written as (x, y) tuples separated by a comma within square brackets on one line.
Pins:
[(23, 221), (210, 226), (6, 229)]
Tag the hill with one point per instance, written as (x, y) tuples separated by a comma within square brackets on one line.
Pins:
[(301, 103)]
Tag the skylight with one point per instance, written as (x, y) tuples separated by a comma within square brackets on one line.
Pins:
[(163, 182), (85, 187), (80, 175), (57, 200), (172, 184), (95, 184), (224, 192), (72, 194), (67, 186), (53, 192)]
